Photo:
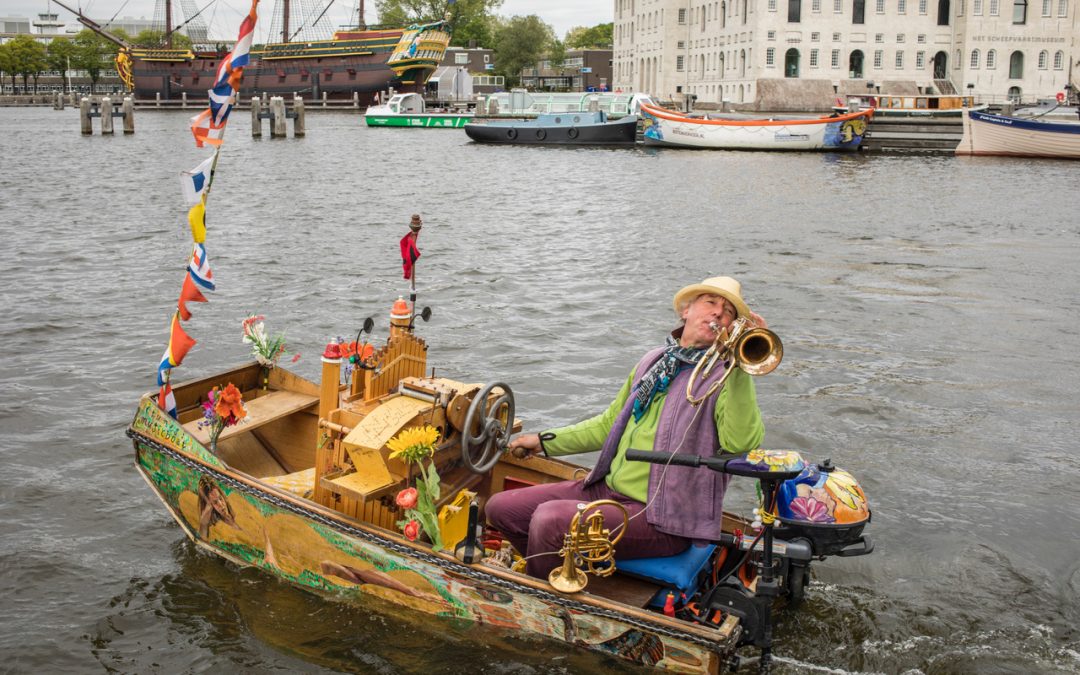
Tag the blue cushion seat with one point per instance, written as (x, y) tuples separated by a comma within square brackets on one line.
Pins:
[(677, 572)]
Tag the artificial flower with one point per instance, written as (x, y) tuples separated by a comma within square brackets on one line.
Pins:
[(406, 499), (414, 444), (412, 530), (230, 404)]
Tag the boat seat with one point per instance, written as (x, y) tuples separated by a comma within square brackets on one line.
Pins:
[(263, 409), (300, 483), (675, 573)]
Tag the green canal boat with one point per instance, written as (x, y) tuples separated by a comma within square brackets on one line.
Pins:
[(409, 110)]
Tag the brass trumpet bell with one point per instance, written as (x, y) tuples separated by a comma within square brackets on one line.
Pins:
[(758, 351), (589, 544), (755, 350)]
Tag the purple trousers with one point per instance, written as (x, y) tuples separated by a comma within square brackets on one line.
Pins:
[(535, 519)]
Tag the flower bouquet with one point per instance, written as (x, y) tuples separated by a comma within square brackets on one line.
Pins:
[(413, 446), (266, 349), (223, 408)]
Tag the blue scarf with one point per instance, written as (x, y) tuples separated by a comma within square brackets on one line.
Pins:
[(660, 374)]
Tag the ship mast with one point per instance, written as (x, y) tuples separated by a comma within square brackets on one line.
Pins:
[(360, 24), (168, 24), (94, 26), (285, 21)]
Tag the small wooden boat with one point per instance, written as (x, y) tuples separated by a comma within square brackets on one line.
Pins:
[(908, 105), (305, 490), (986, 134), (670, 128), (571, 128), (409, 110)]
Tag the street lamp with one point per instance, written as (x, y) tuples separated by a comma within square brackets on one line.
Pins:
[(971, 94)]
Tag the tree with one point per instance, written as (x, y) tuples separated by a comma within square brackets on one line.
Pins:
[(520, 42), (61, 52), (601, 36), (94, 52), (155, 39), (7, 63), (470, 20), (28, 58)]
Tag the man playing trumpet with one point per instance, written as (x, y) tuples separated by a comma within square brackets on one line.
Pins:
[(651, 412)]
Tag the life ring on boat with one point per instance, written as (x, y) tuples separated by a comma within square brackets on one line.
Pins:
[(511, 134), (1060, 97), (572, 132), (541, 134)]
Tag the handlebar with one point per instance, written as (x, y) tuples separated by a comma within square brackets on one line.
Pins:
[(714, 463)]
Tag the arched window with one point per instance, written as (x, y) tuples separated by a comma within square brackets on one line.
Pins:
[(1063, 6), (1016, 65), (858, 11), (744, 12), (991, 59), (974, 59), (1046, 6), (1019, 12), (943, 13), (994, 5), (723, 15), (1044, 59), (791, 63), (721, 65), (855, 65), (1014, 94), (1059, 60)]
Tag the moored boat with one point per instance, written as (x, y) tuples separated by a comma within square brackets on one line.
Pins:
[(409, 110), (571, 128), (837, 132), (986, 134), (908, 105)]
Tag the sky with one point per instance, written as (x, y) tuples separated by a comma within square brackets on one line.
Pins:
[(225, 15)]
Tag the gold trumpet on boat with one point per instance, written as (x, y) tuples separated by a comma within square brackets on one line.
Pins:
[(758, 351), (591, 543)]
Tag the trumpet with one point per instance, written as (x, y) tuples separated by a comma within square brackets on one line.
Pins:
[(758, 351), (590, 544)]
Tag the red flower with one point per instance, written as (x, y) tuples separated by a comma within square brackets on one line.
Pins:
[(412, 530), (406, 499)]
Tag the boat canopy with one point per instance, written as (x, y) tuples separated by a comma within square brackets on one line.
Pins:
[(451, 83), (406, 103)]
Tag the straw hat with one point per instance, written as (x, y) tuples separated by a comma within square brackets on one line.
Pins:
[(415, 223), (725, 287)]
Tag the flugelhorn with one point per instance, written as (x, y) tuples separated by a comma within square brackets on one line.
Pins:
[(591, 543), (758, 351)]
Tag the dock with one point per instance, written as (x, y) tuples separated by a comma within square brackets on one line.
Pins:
[(912, 134)]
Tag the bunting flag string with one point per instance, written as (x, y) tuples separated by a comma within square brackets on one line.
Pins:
[(208, 128)]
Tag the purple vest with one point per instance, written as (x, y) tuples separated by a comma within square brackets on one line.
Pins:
[(688, 503)]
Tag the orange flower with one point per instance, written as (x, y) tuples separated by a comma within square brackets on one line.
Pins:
[(406, 499), (230, 402), (412, 530)]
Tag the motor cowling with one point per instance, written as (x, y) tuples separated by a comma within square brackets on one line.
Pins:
[(826, 506)]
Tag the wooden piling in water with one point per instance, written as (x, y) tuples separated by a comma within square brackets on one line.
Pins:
[(256, 121), (106, 116), (86, 123), (58, 103), (356, 99), (277, 122), (183, 100), (298, 116), (128, 108)]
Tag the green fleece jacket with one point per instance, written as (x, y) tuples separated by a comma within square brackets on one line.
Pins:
[(738, 426)]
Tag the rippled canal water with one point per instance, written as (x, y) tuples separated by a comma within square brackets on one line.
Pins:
[(928, 307)]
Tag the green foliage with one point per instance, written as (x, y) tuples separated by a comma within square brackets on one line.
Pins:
[(428, 492), (155, 39), (469, 19), (28, 57), (519, 43), (94, 53), (61, 52), (556, 53), (601, 36)]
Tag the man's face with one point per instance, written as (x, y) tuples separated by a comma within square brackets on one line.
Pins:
[(705, 309)]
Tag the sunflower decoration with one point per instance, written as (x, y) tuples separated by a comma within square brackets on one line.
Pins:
[(413, 446)]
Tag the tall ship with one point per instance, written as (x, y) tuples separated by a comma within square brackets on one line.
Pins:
[(362, 60)]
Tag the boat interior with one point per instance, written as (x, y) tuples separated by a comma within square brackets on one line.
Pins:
[(326, 444)]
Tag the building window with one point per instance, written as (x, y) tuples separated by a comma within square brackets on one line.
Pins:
[(1016, 65), (772, 5), (879, 37), (815, 37), (858, 11), (682, 15), (679, 63), (791, 63), (899, 60), (974, 59), (901, 7), (991, 59), (1047, 5), (994, 6), (1044, 59), (879, 7), (461, 58), (922, 7), (836, 37), (1059, 60), (960, 8), (920, 60), (920, 38), (943, 12), (815, 6), (794, 11), (813, 58), (770, 57), (771, 35), (900, 38), (1014, 94), (835, 58), (838, 6), (1019, 12), (879, 58), (976, 7), (1062, 7), (681, 44)]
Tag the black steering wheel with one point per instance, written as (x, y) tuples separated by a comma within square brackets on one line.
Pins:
[(487, 428)]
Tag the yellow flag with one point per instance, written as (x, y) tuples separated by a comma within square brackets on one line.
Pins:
[(197, 219)]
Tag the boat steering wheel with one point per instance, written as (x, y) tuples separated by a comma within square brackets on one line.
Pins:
[(486, 431)]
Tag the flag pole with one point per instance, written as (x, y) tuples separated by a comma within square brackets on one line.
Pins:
[(414, 224)]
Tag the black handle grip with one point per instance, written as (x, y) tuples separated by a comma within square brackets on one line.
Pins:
[(662, 458), (864, 546)]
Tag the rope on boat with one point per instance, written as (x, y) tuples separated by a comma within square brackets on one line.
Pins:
[(408, 552)]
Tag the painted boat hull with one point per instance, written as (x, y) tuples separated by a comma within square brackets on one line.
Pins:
[(619, 132), (250, 523), (986, 134), (668, 128), (433, 121)]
